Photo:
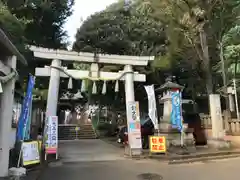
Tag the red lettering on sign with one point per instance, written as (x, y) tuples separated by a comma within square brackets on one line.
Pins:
[(160, 140), (160, 147), (154, 147), (154, 140)]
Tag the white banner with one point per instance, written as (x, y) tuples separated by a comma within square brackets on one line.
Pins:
[(152, 109), (134, 126), (52, 135)]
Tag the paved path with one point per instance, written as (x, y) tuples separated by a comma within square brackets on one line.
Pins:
[(88, 150), (96, 160)]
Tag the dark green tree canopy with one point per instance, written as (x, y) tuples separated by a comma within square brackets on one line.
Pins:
[(35, 22), (120, 31), (44, 20)]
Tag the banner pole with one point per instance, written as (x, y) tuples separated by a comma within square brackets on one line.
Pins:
[(19, 157), (182, 138), (182, 129), (57, 154)]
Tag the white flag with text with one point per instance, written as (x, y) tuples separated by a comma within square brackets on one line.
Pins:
[(152, 109)]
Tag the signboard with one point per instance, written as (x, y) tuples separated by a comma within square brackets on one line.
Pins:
[(30, 153), (51, 143), (134, 126), (77, 128), (136, 140), (157, 144)]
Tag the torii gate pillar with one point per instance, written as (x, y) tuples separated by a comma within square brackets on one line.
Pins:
[(53, 89), (129, 84)]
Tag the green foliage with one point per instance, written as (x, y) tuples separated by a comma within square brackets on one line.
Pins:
[(232, 37), (231, 45), (35, 22), (187, 22), (13, 26), (117, 31), (40, 21)]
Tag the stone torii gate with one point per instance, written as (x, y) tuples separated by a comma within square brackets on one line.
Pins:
[(55, 71)]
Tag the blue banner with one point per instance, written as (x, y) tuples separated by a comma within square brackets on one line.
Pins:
[(176, 115), (23, 119)]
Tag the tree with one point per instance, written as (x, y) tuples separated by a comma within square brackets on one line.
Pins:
[(231, 50), (46, 17), (14, 27), (201, 24), (35, 22), (120, 32)]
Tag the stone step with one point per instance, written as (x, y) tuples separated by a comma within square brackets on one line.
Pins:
[(79, 132), (69, 133), (85, 131), (75, 138)]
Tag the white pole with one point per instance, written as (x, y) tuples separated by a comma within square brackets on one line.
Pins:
[(236, 98), (76, 133), (182, 138), (129, 84), (53, 89), (19, 156), (129, 95), (182, 130)]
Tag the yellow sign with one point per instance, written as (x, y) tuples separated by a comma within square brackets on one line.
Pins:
[(157, 144), (30, 153), (39, 146), (77, 128)]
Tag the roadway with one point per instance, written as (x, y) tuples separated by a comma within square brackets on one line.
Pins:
[(98, 160)]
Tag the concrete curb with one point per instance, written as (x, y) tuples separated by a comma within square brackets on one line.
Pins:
[(204, 159), (201, 157), (184, 159)]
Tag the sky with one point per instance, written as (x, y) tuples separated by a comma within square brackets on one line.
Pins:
[(81, 10)]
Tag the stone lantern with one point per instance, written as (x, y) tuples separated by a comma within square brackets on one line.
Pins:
[(173, 135)]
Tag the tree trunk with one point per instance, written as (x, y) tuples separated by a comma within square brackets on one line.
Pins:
[(224, 77), (193, 94), (206, 61), (209, 82)]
